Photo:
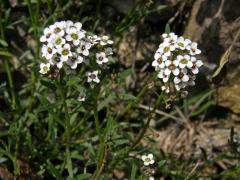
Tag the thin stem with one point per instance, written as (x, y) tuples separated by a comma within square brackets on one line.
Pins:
[(7, 68), (34, 18), (102, 147), (140, 94), (67, 125), (145, 127)]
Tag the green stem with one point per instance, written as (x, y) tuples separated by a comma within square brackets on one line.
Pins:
[(101, 150), (67, 125), (140, 94), (7, 68), (145, 127), (34, 17)]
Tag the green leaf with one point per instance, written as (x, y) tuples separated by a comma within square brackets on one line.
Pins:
[(52, 170), (48, 84), (134, 171), (167, 29), (3, 43), (83, 176), (5, 53), (161, 164)]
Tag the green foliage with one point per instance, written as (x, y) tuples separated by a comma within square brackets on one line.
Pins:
[(44, 127)]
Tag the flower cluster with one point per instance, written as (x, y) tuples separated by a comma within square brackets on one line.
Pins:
[(176, 62), (66, 45)]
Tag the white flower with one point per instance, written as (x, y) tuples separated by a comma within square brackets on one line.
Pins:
[(162, 76), (44, 68), (172, 67), (108, 51), (59, 41), (48, 51), (74, 60), (57, 28), (181, 43), (105, 40), (78, 25), (151, 178), (81, 97), (47, 35), (184, 61), (74, 35), (94, 39), (159, 62), (55, 60), (165, 88), (148, 159), (65, 52), (84, 48), (101, 58), (182, 77), (93, 77), (192, 47), (165, 48), (171, 38), (196, 65)]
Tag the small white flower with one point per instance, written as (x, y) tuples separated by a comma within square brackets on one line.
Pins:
[(105, 40), (44, 68), (78, 25), (181, 43), (162, 76), (57, 28), (182, 77), (81, 97), (74, 60), (159, 62), (101, 58), (151, 178), (196, 65), (165, 48), (165, 88), (84, 48), (148, 159), (65, 52), (55, 60), (184, 61), (74, 35), (192, 47), (172, 67), (59, 41), (93, 77), (48, 51), (47, 35), (94, 39)]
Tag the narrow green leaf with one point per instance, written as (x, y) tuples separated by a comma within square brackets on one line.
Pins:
[(167, 28), (52, 170), (134, 171)]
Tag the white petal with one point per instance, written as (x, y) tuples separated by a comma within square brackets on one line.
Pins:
[(199, 63), (185, 78), (176, 71), (150, 156), (167, 72), (176, 80)]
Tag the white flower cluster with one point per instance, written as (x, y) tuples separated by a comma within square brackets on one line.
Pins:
[(66, 45), (176, 63)]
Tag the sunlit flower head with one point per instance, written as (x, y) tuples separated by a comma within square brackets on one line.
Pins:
[(176, 63), (65, 44)]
